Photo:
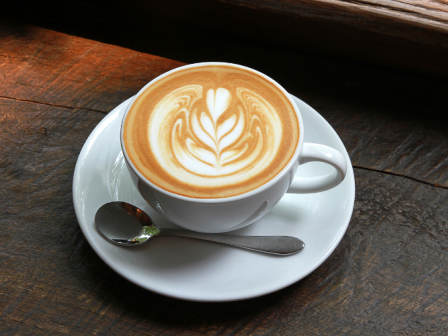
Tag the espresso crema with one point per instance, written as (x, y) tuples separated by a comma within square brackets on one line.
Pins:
[(211, 131)]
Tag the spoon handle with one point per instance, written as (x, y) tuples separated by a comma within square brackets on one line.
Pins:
[(281, 245)]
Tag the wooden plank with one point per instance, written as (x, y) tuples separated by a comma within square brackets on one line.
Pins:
[(49, 67), (386, 142), (410, 19), (40, 144), (373, 31)]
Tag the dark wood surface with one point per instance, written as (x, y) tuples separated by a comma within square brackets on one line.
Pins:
[(410, 35), (388, 276), (411, 19)]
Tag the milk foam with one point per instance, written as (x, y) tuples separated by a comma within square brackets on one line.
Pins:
[(214, 147)]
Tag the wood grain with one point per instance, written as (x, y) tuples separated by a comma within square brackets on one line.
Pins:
[(370, 32), (376, 32), (48, 67), (412, 146), (417, 16)]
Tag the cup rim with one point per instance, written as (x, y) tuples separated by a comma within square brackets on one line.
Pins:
[(253, 192)]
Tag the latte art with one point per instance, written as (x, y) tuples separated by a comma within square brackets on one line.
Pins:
[(210, 131), (212, 145)]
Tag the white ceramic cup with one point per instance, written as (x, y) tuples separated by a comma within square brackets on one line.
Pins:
[(231, 213)]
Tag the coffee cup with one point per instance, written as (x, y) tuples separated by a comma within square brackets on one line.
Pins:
[(213, 146)]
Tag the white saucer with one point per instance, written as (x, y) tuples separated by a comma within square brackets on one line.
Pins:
[(201, 271)]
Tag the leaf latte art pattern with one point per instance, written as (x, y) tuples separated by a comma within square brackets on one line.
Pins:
[(221, 135)]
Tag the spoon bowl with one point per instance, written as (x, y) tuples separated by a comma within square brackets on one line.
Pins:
[(124, 224)]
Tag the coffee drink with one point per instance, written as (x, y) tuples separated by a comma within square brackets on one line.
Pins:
[(211, 131)]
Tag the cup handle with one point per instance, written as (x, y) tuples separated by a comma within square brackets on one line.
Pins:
[(321, 153)]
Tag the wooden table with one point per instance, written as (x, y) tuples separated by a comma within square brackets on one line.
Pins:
[(388, 276)]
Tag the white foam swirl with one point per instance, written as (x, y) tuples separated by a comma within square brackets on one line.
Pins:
[(216, 147)]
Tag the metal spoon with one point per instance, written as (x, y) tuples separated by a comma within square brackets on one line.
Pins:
[(123, 224)]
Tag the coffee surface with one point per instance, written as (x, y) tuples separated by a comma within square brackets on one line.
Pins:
[(211, 131)]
